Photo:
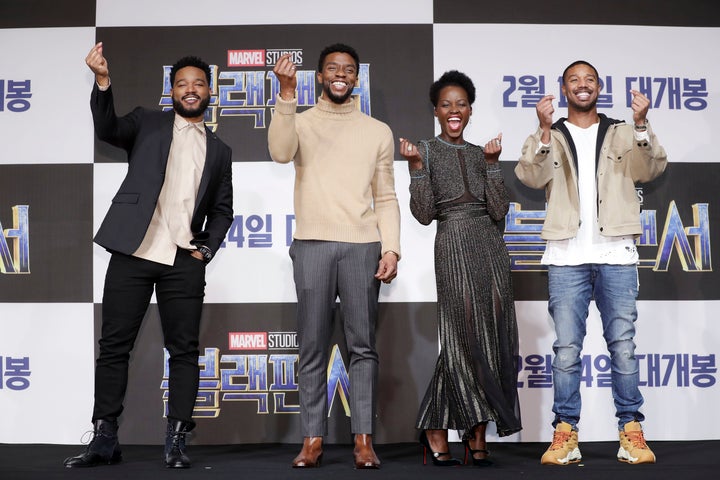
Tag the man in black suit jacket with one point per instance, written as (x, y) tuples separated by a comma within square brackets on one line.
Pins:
[(166, 221)]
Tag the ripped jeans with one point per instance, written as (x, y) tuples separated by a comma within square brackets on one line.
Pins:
[(615, 290)]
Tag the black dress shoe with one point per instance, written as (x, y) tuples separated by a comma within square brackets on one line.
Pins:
[(92, 459), (103, 449), (175, 456)]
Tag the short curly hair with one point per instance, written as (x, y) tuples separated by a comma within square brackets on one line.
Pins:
[(190, 61), (338, 48), (452, 78), (579, 62)]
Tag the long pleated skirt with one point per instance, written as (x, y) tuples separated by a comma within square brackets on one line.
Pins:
[(475, 378)]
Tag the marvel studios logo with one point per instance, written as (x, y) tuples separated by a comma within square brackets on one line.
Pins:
[(262, 341), (262, 57)]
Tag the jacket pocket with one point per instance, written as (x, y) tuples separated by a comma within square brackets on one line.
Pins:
[(619, 155), (126, 198), (559, 161)]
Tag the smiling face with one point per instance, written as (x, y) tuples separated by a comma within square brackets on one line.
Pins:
[(190, 93), (453, 111), (338, 77), (581, 88)]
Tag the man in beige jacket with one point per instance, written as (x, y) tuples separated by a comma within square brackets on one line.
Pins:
[(588, 165)]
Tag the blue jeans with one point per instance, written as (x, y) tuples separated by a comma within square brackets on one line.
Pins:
[(615, 289)]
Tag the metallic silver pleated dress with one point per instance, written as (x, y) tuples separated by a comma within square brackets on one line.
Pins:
[(475, 377)]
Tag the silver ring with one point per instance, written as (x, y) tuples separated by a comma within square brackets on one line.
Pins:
[(409, 148)]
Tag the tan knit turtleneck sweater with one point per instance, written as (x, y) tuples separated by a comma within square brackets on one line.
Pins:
[(344, 180)]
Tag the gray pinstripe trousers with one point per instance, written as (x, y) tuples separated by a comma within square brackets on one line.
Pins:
[(323, 271)]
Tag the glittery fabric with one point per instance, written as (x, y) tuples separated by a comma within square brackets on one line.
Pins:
[(475, 377)]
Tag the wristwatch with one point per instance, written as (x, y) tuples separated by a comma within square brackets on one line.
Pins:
[(641, 127), (205, 252)]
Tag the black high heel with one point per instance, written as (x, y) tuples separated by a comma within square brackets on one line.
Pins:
[(469, 452), (452, 462)]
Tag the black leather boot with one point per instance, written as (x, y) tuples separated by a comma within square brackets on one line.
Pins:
[(175, 456), (103, 449)]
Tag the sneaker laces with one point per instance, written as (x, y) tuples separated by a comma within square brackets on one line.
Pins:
[(559, 439), (637, 439)]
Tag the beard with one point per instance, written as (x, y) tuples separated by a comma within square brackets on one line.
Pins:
[(338, 99), (191, 112)]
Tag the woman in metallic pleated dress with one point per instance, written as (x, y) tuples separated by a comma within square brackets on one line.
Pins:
[(461, 186)]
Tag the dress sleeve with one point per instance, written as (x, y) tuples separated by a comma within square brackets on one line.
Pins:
[(496, 195), (422, 198)]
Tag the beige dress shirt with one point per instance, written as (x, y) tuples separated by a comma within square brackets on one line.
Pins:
[(170, 224)]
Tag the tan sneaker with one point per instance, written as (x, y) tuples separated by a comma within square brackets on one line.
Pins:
[(633, 448), (564, 448)]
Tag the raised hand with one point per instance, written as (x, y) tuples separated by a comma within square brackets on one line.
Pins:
[(493, 149), (545, 110), (411, 154), (285, 71), (98, 64), (640, 106)]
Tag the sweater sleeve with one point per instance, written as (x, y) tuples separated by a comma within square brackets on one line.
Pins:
[(283, 138), (385, 200)]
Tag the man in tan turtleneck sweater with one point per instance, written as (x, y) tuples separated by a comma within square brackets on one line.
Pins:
[(346, 240)]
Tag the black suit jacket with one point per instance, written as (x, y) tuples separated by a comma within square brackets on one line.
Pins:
[(146, 136)]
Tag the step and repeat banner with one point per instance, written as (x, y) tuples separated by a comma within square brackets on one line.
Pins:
[(57, 180)]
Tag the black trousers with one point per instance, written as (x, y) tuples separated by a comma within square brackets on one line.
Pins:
[(179, 289)]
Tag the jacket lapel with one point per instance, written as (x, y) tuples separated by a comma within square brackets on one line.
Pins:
[(210, 156)]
